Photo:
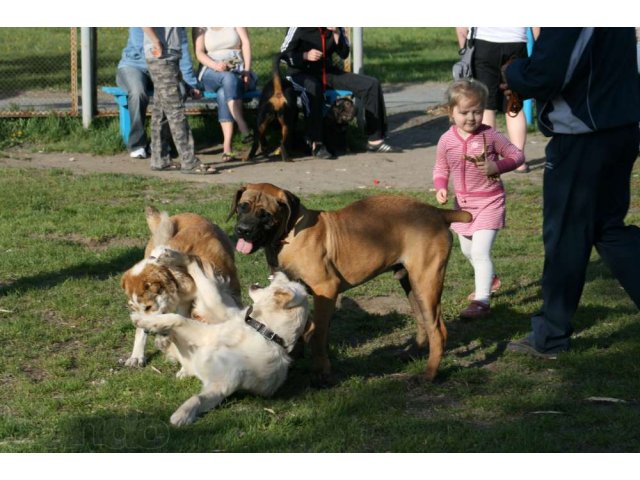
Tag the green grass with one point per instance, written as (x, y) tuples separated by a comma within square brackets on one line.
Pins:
[(66, 239)]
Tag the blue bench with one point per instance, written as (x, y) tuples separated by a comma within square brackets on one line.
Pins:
[(120, 97)]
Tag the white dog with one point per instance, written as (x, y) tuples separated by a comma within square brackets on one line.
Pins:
[(249, 351)]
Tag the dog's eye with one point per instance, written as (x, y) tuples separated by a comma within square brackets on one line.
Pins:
[(264, 215), (147, 308), (243, 207)]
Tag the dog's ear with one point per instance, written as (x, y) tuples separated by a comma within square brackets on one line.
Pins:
[(290, 202), (234, 204), (288, 298)]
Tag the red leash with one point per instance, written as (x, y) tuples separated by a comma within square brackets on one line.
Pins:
[(324, 64)]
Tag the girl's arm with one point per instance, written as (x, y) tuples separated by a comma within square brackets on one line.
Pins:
[(441, 167), (512, 156)]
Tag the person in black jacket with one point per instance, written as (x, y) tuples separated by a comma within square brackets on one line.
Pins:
[(586, 85), (308, 53)]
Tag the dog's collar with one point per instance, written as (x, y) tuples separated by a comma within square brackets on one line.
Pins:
[(262, 329)]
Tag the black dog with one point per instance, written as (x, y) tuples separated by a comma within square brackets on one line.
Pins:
[(335, 125), (278, 102)]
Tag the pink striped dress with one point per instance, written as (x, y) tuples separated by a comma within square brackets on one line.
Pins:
[(479, 195)]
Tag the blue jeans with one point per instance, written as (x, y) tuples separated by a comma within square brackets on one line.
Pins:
[(228, 86), (138, 85)]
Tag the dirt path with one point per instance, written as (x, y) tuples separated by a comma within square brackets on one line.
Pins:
[(416, 132)]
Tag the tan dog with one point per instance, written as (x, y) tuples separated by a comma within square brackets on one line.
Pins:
[(153, 287), (333, 251)]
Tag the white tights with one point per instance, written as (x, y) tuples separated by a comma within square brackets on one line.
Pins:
[(477, 249)]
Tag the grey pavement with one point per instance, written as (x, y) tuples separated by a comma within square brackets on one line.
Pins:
[(412, 126)]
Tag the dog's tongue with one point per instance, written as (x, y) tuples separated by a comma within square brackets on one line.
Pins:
[(244, 247)]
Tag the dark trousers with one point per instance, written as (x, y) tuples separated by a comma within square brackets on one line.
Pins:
[(366, 89), (586, 198)]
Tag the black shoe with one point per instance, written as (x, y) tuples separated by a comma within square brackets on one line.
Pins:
[(321, 152), (525, 345), (383, 147)]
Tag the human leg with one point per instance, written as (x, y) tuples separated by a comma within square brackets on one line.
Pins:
[(481, 245), (517, 131), (166, 77), (571, 177), (619, 244), (138, 86)]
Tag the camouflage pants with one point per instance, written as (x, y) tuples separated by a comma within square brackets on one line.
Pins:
[(168, 107)]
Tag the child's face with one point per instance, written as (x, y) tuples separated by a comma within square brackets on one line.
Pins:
[(467, 114)]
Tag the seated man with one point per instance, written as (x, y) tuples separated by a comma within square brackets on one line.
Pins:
[(133, 77), (308, 52)]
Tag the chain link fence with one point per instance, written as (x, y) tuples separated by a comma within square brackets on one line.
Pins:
[(40, 68)]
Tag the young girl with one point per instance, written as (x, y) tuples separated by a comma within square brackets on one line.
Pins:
[(469, 152)]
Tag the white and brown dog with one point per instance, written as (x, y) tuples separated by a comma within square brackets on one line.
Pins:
[(153, 287), (249, 351)]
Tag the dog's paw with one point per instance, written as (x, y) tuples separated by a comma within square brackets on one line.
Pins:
[(187, 413), (135, 362), (182, 373), (169, 257)]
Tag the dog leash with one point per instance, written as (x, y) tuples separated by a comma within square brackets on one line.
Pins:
[(262, 329), (324, 61)]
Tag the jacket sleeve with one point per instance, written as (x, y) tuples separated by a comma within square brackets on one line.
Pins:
[(343, 47), (512, 156), (542, 75), (441, 167), (289, 49), (186, 66)]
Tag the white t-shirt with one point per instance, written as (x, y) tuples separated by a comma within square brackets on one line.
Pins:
[(502, 34)]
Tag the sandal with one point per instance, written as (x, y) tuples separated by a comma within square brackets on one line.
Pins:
[(169, 167), (200, 169), (475, 310), (496, 283), (229, 157), (383, 147)]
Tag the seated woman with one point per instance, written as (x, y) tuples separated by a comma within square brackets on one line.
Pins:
[(224, 54)]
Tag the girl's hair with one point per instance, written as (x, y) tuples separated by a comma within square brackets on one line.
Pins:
[(466, 89)]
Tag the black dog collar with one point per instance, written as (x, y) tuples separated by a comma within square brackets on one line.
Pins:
[(262, 329)]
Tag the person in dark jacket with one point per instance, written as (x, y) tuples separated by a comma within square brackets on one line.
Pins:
[(587, 89), (308, 52)]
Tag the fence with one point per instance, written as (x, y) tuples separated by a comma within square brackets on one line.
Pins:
[(40, 67)]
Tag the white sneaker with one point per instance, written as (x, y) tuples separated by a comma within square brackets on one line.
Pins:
[(139, 153)]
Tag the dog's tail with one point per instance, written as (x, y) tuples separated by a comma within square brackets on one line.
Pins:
[(278, 95), (161, 226), (452, 216)]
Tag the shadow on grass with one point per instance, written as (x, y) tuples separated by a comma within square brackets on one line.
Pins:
[(94, 270)]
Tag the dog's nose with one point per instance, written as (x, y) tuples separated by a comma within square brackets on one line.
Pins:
[(243, 231)]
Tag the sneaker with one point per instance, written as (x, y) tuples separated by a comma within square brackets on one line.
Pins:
[(525, 345), (383, 147), (495, 286), (139, 153), (320, 151), (475, 310)]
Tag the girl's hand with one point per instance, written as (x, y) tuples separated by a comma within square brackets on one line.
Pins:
[(441, 196), (488, 167)]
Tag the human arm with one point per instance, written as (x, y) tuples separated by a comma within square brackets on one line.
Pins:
[(461, 33), (156, 50), (289, 48), (243, 33), (511, 156), (342, 42), (441, 173), (186, 66), (542, 75)]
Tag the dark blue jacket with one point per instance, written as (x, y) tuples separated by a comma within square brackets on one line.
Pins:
[(583, 79)]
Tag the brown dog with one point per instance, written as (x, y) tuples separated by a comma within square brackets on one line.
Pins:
[(333, 251), (154, 287)]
